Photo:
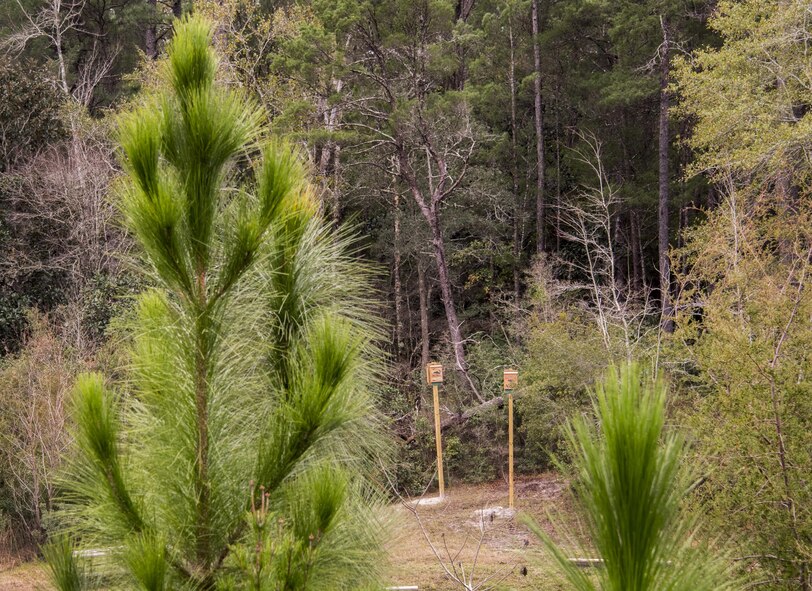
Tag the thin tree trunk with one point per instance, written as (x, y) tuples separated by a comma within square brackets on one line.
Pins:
[(637, 270), (429, 210), (539, 121), (438, 244), (151, 37), (462, 11), (329, 161), (667, 318), (408, 325), (398, 287), (517, 205), (558, 168), (63, 75), (620, 278), (201, 483), (425, 345)]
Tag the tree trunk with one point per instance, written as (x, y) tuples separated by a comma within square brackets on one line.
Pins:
[(329, 161), (461, 12), (637, 268), (558, 168), (429, 210), (151, 37), (539, 121), (425, 345), (202, 482), (463, 9), (517, 205), (667, 309), (438, 244), (621, 277), (398, 288)]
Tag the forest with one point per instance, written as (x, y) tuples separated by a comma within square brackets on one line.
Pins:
[(235, 233)]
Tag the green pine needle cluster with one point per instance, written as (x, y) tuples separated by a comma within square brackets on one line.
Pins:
[(237, 450), (630, 481)]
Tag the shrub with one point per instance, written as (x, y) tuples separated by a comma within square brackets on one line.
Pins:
[(34, 392)]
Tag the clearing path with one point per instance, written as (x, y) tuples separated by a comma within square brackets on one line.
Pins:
[(508, 550), (29, 576)]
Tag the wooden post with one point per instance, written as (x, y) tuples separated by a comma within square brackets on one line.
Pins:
[(510, 380), (438, 439), (510, 447), (434, 376)]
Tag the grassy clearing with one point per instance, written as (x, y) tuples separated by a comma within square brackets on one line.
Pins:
[(29, 576), (507, 546)]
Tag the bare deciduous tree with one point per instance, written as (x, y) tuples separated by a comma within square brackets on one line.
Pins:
[(34, 394), (64, 193), (61, 219), (589, 221), (55, 21)]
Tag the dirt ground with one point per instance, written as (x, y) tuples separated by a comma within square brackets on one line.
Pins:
[(486, 543), (31, 576), (508, 557)]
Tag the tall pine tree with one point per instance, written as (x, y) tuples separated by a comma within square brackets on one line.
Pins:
[(228, 458)]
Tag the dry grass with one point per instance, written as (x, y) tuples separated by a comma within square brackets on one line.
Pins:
[(507, 546), (30, 576), (507, 549)]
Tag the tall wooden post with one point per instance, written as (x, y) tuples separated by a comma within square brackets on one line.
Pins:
[(434, 376), (510, 380), (510, 448), (438, 439)]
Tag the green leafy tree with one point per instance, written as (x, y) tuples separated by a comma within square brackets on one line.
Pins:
[(745, 356), (228, 458), (745, 336), (630, 481), (749, 98)]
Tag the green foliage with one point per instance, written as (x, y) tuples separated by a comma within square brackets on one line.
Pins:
[(146, 559), (321, 551), (564, 357), (742, 359), (66, 572), (106, 297), (749, 97), (744, 340), (564, 353), (30, 111), (630, 480), (250, 363), (477, 452)]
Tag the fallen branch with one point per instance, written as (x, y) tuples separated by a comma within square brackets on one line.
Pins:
[(466, 415)]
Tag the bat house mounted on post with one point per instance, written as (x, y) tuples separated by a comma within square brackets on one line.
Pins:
[(434, 373), (511, 379)]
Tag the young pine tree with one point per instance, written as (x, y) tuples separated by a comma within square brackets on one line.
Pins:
[(230, 456), (630, 481)]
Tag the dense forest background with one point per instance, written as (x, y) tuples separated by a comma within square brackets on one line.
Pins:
[(553, 185)]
